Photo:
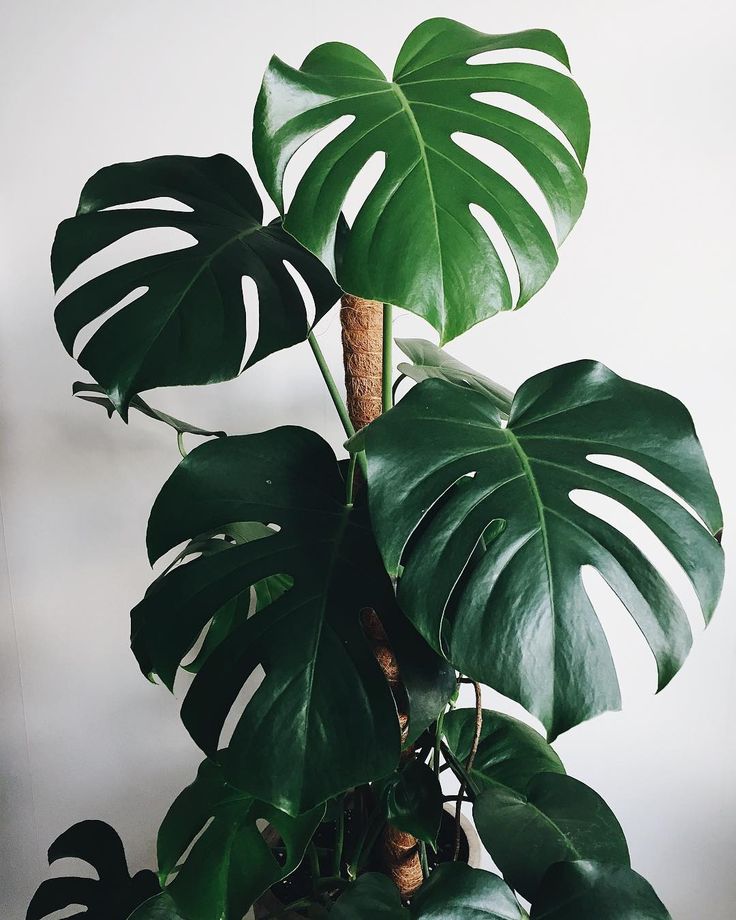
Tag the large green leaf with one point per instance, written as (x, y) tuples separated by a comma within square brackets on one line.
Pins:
[(188, 324), (456, 891), (322, 692), (113, 895), (493, 576), (230, 864), (415, 241), (584, 889), (453, 891), (372, 895), (509, 752), (557, 818)]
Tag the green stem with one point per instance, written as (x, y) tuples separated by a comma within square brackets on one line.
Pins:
[(388, 341), (366, 842), (340, 829), (438, 741), (350, 480), (180, 443), (423, 859), (314, 869), (337, 399)]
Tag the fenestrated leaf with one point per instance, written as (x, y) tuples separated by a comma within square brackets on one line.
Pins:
[(558, 818), (456, 891), (510, 753), (236, 610), (414, 801), (230, 864), (493, 576), (415, 242), (188, 326), (323, 690), (428, 361), (584, 889), (113, 895), (94, 393)]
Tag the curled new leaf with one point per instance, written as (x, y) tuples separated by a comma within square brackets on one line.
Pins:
[(113, 895), (480, 519), (183, 317), (416, 241)]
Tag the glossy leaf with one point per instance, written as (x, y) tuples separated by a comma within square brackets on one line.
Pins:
[(415, 241), (510, 753), (493, 576), (94, 393), (113, 895), (161, 907), (372, 895), (558, 818), (585, 889), (322, 690), (453, 890), (428, 362), (187, 323), (414, 802), (230, 864), (456, 891)]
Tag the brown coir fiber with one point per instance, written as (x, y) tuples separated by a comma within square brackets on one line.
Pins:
[(362, 344)]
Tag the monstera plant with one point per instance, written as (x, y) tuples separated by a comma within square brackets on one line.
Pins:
[(352, 598)]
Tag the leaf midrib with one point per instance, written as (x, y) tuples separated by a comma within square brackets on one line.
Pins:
[(406, 107)]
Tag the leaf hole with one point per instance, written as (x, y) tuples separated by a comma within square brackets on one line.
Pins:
[(629, 468), (499, 243), (525, 109), (155, 204), (304, 292), (301, 159), (507, 166), (247, 691), (251, 303), (364, 182), (518, 56), (631, 526)]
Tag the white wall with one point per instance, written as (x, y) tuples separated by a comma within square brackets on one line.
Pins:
[(645, 284)]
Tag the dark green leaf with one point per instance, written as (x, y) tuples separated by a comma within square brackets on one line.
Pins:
[(415, 241), (493, 576), (558, 819), (429, 361), (161, 907), (323, 691), (188, 326), (583, 890), (509, 753), (414, 802), (236, 610), (456, 892), (86, 392), (113, 895), (372, 895), (230, 864)]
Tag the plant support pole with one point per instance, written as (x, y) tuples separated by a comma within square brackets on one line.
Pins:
[(387, 358)]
